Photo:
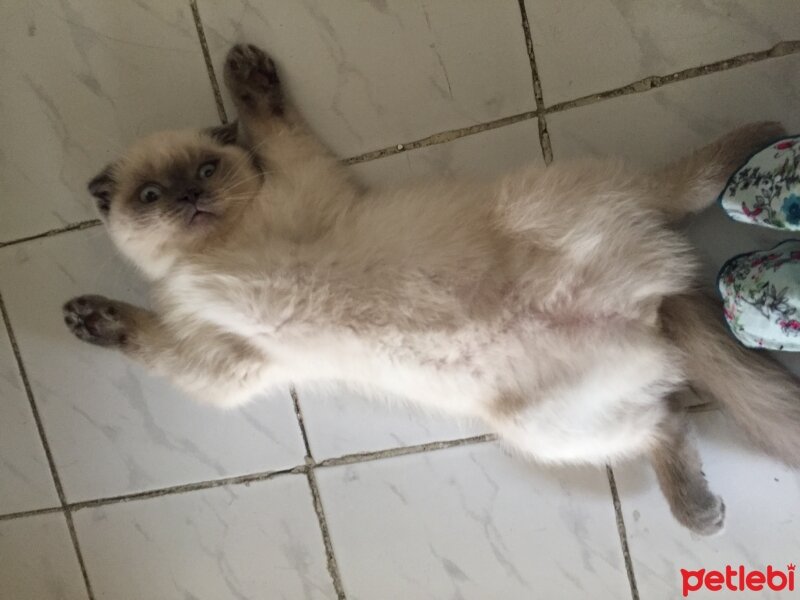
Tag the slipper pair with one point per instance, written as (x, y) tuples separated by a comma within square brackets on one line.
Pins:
[(761, 290)]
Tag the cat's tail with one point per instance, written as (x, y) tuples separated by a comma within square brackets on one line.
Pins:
[(693, 183), (756, 391)]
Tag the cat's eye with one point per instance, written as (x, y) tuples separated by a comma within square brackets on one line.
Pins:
[(150, 193), (207, 169)]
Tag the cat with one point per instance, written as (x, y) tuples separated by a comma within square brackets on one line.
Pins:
[(556, 304)]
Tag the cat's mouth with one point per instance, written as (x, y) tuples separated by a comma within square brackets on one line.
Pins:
[(199, 216)]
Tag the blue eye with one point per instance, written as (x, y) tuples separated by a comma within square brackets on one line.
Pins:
[(150, 193), (206, 170)]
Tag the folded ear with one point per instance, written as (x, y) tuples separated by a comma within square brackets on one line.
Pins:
[(102, 187), (224, 134)]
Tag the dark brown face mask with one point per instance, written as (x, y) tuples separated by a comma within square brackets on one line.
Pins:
[(189, 183)]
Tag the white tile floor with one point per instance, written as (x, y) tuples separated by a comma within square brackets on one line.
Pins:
[(119, 488)]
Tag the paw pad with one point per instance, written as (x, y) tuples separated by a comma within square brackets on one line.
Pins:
[(96, 320), (252, 78)]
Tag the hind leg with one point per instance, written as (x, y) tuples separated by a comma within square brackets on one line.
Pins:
[(692, 184), (679, 470)]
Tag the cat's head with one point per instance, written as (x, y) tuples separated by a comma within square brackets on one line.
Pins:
[(175, 192)]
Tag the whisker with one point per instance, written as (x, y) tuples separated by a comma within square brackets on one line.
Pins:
[(238, 182)]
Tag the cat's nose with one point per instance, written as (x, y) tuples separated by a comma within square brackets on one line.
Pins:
[(190, 195)]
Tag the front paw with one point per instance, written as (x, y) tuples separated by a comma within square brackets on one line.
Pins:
[(253, 80), (98, 320)]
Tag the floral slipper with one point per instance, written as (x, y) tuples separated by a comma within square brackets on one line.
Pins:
[(761, 294), (766, 190)]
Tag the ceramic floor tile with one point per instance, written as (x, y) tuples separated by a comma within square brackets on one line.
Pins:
[(25, 480), (81, 79), (37, 560), (371, 74), (112, 428), (339, 421), (472, 523), (481, 155), (260, 542), (588, 47), (762, 526), (657, 126)]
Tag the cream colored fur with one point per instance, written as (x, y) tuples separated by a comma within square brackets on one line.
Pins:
[(531, 302)]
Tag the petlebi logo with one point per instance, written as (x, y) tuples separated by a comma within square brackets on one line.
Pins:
[(739, 579)]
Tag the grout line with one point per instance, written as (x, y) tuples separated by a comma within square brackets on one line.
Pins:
[(72, 227), (45, 444), (656, 81), (439, 138), (544, 136), (623, 535), (362, 457), (201, 35), (187, 487), (298, 413), (643, 85), (333, 567), (30, 513), (346, 459), (81, 562)]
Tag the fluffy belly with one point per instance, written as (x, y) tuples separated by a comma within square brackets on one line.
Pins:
[(608, 409), (437, 380), (593, 397)]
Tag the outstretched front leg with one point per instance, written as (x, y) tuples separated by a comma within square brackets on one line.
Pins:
[(215, 367), (273, 129), (252, 79)]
